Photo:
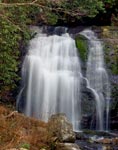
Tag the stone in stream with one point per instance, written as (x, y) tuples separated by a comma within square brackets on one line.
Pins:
[(60, 127)]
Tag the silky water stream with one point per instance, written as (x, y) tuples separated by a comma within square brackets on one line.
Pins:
[(52, 76)]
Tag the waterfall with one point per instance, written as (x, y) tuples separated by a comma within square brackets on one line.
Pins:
[(98, 80), (51, 78)]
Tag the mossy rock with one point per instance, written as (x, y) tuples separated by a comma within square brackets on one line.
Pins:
[(82, 46), (111, 57), (109, 34)]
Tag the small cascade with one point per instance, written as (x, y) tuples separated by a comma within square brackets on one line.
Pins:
[(97, 79), (51, 78)]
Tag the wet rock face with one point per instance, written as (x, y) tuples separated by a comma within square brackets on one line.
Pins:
[(67, 146), (60, 127)]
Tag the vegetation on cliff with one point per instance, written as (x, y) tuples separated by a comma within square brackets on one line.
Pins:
[(15, 18), (110, 36), (17, 15)]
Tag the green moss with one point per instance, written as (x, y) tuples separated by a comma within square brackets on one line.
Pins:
[(81, 44)]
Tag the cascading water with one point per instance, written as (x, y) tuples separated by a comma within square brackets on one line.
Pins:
[(52, 78), (98, 79), (51, 75)]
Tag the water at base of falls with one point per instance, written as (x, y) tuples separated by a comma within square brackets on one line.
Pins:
[(52, 77)]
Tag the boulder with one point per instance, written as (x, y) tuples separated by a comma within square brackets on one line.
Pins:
[(60, 127), (67, 146)]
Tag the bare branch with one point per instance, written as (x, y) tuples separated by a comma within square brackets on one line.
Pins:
[(12, 114), (34, 1)]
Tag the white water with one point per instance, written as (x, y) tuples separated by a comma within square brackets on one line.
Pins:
[(51, 78), (98, 80)]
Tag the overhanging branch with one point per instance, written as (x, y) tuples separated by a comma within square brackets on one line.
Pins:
[(73, 13)]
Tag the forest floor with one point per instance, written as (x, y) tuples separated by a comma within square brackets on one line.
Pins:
[(18, 131)]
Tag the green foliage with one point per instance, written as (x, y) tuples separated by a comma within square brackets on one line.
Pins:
[(8, 57), (51, 18), (50, 11), (25, 146), (11, 33), (91, 8)]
